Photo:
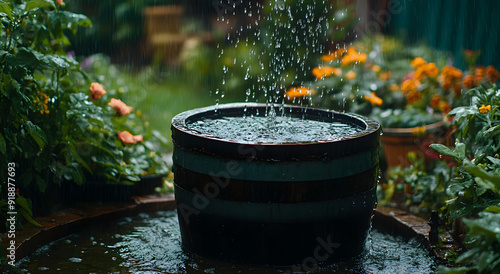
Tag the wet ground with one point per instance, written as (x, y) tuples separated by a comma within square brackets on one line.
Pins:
[(150, 243)]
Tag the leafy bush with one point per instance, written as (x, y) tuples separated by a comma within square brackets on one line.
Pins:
[(54, 128), (476, 186), (483, 243)]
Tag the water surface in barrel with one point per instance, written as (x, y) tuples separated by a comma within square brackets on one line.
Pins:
[(274, 130)]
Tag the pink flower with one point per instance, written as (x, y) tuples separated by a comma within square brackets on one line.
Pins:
[(127, 138), (138, 138), (97, 91), (120, 107)]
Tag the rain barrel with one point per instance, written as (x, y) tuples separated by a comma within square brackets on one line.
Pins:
[(277, 204)]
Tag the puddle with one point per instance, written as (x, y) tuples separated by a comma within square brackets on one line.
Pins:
[(151, 243)]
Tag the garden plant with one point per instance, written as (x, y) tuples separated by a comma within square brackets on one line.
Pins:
[(60, 124)]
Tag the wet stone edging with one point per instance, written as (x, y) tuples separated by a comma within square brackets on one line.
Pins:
[(62, 223)]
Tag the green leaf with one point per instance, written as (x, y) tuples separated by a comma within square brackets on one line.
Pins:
[(493, 209), (460, 150), (3, 145), (5, 8), (444, 150), (36, 133), (492, 131), (74, 18), (29, 218), (36, 4), (22, 202)]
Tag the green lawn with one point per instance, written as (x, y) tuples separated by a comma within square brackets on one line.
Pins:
[(161, 98)]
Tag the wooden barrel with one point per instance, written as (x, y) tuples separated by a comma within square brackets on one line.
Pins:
[(276, 204)]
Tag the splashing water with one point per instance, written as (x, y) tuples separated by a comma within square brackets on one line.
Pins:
[(274, 46)]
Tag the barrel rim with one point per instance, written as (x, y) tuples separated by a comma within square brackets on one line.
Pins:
[(179, 122)]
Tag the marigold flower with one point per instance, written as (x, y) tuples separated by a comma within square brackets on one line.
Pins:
[(418, 131), (352, 56), (97, 91), (410, 85), (413, 96), (393, 87), (376, 68), (120, 107), (444, 107), (333, 56), (417, 62), (429, 70), (446, 84), (322, 72), (484, 109), (451, 73), (492, 74), (479, 73), (374, 99), (435, 100), (350, 75), (385, 76), (469, 81), (295, 92)]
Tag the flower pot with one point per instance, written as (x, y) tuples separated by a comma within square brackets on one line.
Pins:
[(397, 142)]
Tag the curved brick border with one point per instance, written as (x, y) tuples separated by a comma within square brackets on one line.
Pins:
[(57, 225)]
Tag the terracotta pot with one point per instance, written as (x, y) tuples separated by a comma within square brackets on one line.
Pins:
[(397, 142)]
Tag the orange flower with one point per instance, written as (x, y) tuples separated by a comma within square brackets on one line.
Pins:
[(492, 74), (374, 99), (418, 131), (60, 2), (451, 73), (393, 87), (429, 70), (295, 92), (44, 103), (410, 85), (417, 62), (413, 96), (352, 56), (469, 81), (385, 76), (127, 138), (333, 56), (484, 109), (435, 100), (321, 72), (444, 107), (97, 91), (446, 84), (479, 73), (350, 75), (120, 107), (138, 138), (376, 68)]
